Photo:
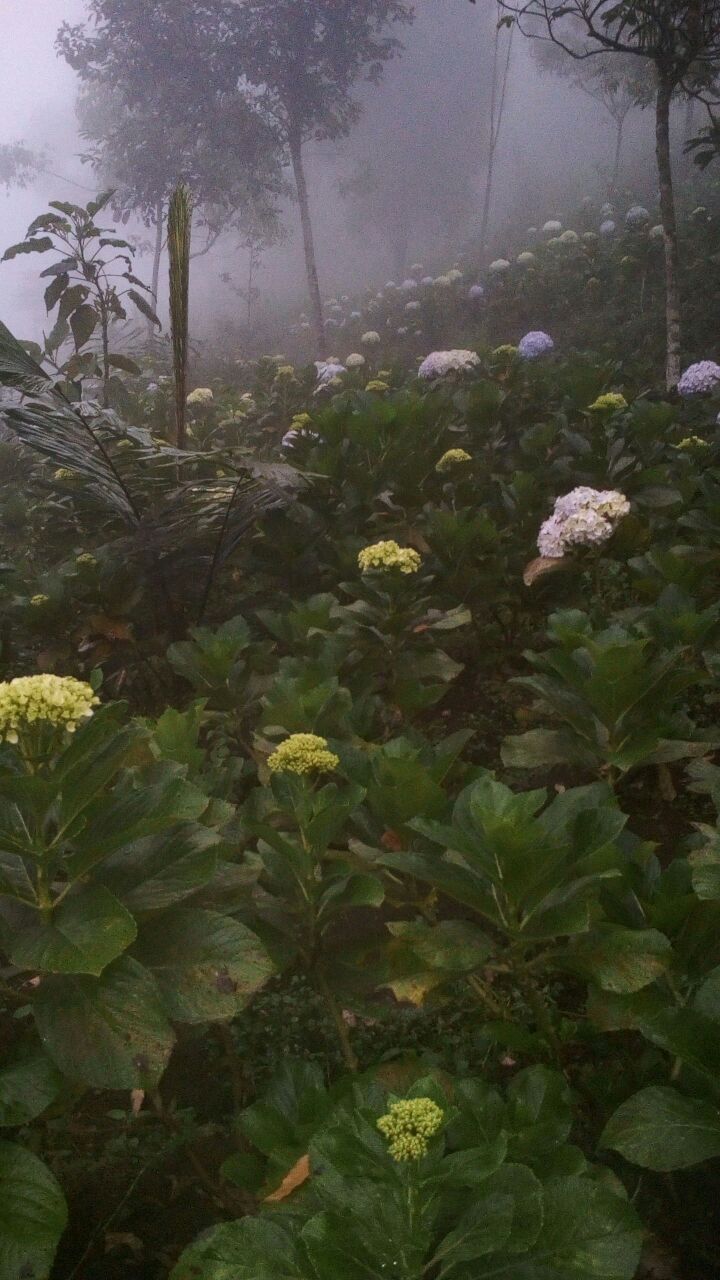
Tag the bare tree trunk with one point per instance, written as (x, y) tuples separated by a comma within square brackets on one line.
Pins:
[(295, 145), (669, 222), (497, 112), (159, 228), (619, 129)]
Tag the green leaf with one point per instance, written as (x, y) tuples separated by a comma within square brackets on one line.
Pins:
[(483, 1229), (250, 1249), (29, 1082), (124, 362), (54, 291), (143, 306), (41, 245), (588, 1233), (155, 873), (539, 1113), (109, 1032), (207, 965), (83, 323), (705, 865), (33, 1215), (660, 1129), (621, 960), (85, 934), (17, 368)]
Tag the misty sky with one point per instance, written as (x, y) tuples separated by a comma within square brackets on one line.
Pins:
[(550, 131)]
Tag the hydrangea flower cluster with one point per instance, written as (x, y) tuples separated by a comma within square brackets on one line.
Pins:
[(61, 701), (355, 360), (39, 601), (476, 293), (499, 266), (327, 370), (371, 338), (303, 753), (526, 258), (506, 351), (439, 363), (608, 227), (637, 216), (535, 344), (409, 1125), (200, 396), (610, 402), (388, 555), (453, 458), (377, 384), (552, 227), (569, 237), (699, 379), (584, 517), (692, 442)]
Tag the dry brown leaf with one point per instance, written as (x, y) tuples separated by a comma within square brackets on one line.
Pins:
[(137, 1097), (299, 1173), (542, 565)]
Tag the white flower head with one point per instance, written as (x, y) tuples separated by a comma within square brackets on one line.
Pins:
[(439, 363)]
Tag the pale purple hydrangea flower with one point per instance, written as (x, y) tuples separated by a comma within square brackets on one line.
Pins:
[(637, 216), (409, 285), (535, 344), (584, 517), (476, 293), (440, 363), (607, 228), (699, 378)]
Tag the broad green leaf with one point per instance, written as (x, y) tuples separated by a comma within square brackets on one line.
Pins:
[(483, 1229), (33, 1215), (87, 931), (155, 873), (538, 1113), (83, 323), (207, 965), (250, 1249), (588, 1232), (29, 1082), (705, 865), (621, 960), (109, 1032), (40, 245), (658, 1128)]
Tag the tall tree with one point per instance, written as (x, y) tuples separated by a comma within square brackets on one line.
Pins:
[(18, 164), (151, 122), (306, 57), (681, 39), (289, 65), (619, 84)]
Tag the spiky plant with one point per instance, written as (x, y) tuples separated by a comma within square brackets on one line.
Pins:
[(179, 229)]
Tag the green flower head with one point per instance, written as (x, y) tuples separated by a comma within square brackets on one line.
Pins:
[(384, 556), (39, 601), (611, 402), (57, 700), (453, 458), (505, 352), (408, 1127), (692, 442), (377, 384), (303, 753)]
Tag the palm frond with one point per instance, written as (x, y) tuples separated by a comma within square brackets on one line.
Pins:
[(17, 369)]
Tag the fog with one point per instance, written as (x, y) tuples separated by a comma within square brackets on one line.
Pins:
[(428, 116)]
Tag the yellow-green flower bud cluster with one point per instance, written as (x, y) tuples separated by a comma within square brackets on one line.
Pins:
[(39, 600), (303, 753), (692, 442), (57, 700), (452, 458), (408, 1127), (383, 556), (611, 402), (377, 384)]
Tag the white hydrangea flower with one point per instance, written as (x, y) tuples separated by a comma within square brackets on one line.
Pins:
[(526, 258), (412, 306), (439, 363), (582, 518), (552, 227), (327, 370), (371, 338), (499, 266), (355, 361)]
